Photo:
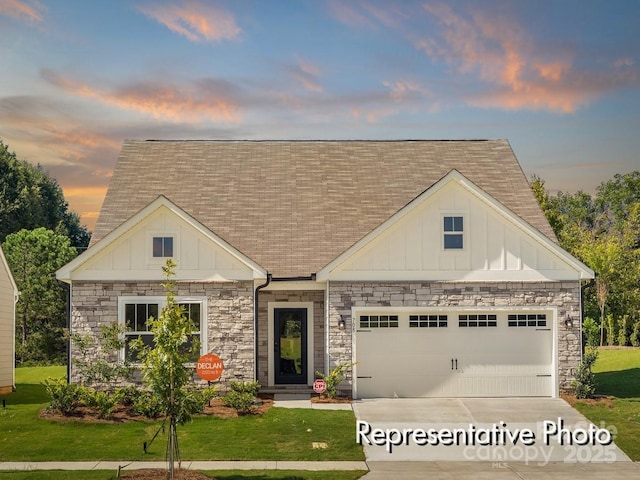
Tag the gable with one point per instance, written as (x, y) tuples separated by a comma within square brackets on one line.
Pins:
[(127, 254), (498, 245)]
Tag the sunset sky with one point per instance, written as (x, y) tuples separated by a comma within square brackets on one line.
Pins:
[(559, 79)]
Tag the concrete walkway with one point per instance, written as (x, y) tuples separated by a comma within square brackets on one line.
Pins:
[(190, 465)]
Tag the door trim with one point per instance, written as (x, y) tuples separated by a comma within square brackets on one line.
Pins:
[(271, 306)]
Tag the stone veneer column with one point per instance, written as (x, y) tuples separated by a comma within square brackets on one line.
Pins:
[(563, 295)]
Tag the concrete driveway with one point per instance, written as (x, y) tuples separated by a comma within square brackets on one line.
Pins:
[(496, 431)]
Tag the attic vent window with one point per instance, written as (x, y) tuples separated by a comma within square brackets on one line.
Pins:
[(453, 233), (163, 247)]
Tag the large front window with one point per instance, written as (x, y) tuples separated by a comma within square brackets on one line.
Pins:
[(135, 312)]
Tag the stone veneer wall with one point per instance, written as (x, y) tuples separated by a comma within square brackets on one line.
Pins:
[(267, 296), (229, 317), (563, 295)]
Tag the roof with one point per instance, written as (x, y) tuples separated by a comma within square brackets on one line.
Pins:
[(294, 206)]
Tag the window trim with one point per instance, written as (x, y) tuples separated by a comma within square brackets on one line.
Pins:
[(462, 233), (161, 302), (151, 235)]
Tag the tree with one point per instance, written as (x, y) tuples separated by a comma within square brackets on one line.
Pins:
[(34, 256), (604, 232), (604, 255), (164, 370), (29, 199)]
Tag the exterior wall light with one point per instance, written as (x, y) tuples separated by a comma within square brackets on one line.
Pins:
[(342, 324), (568, 323)]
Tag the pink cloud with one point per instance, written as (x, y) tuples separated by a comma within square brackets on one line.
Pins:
[(361, 13), (30, 11), (194, 20), (176, 103), (306, 74), (504, 56)]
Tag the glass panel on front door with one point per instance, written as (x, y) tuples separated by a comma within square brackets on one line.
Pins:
[(290, 345)]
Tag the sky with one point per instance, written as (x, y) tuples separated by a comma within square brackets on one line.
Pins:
[(559, 79)]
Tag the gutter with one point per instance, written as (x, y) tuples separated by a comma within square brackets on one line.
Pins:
[(255, 324)]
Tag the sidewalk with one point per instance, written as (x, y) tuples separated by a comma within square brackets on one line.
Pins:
[(188, 465)]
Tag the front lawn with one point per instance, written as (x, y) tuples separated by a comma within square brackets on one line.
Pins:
[(617, 376), (218, 475), (280, 434)]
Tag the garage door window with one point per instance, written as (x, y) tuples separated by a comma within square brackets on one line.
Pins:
[(427, 321), (477, 320), (378, 321), (528, 320)]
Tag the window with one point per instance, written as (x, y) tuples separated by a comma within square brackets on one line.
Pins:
[(427, 321), (378, 321), (527, 320), (163, 246), (477, 320), (453, 233), (134, 312)]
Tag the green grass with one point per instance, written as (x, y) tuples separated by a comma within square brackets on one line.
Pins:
[(617, 375), (280, 434), (218, 475)]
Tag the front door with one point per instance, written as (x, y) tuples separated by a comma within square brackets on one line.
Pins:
[(290, 344)]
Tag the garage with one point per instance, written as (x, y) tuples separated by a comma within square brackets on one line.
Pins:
[(454, 353)]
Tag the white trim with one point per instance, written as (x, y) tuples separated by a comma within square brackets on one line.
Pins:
[(582, 271), (161, 301), (552, 311), (66, 273), (271, 306), (16, 296)]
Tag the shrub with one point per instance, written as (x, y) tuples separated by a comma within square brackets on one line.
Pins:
[(584, 385), (635, 336), (334, 378), (128, 394), (591, 332), (243, 402), (147, 404), (65, 397), (101, 401), (245, 387), (242, 396), (623, 332)]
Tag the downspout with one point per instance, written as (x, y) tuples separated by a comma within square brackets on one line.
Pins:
[(67, 288), (327, 322), (255, 324)]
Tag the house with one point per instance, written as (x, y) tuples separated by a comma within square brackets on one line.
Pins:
[(429, 263), (8, 299)]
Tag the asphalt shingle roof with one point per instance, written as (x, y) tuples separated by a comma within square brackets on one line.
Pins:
[(294, 206)]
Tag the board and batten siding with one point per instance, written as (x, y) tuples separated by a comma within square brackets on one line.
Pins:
[(7, 327), (130, 256), (495, 248)]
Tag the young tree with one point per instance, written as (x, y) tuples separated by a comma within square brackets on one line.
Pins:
[(164, 369), (34, 256)]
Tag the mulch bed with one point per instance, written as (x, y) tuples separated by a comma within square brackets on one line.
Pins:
[(124, 414), (161, 474), (597, 400), (324, 399)]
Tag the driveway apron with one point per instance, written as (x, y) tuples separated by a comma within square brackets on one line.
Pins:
[(478, 417)]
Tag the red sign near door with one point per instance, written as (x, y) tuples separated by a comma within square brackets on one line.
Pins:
[(319, 386), (209, 367)]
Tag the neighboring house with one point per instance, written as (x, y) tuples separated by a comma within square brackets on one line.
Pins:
[(8, 299), (429, 263)]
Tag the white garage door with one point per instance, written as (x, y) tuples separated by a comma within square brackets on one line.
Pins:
[(454, 354)]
